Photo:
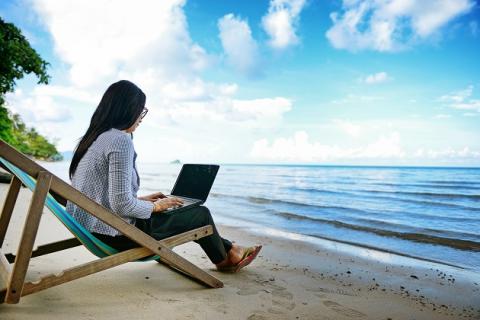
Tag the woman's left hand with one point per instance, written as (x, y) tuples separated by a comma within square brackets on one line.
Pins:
[(153, 197)]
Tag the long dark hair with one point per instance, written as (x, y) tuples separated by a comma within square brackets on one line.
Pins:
[(120, 107)]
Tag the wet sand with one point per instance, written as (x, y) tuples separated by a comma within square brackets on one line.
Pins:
[(293, 278)]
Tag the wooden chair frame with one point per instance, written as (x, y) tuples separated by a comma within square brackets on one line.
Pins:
[(13, 268)]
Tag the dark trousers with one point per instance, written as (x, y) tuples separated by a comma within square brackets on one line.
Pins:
[(167, 224)]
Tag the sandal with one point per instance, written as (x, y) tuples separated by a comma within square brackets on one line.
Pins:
[(248, 256)]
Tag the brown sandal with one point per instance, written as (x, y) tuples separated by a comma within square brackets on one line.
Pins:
[(248, 256)]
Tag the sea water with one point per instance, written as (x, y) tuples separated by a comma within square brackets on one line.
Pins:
[(425, 212)]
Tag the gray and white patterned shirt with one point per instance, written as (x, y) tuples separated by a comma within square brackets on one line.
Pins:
[(108, 175)]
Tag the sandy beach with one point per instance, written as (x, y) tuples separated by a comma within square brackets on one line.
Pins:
[(293, 278)]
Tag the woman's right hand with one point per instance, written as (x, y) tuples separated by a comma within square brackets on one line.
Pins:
[(166, 203)]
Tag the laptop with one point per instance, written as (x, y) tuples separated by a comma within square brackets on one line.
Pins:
[(193, 185)]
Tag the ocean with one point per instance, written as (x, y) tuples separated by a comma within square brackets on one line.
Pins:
[(422, 212)]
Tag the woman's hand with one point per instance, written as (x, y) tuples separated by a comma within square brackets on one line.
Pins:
[(153, 197), (165, 203)]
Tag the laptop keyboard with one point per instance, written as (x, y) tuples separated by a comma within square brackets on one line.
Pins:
[(186, 202)]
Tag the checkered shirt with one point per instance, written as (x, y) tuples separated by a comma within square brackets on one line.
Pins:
[(108, 175)]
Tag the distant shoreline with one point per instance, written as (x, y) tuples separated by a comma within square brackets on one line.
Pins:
[(350, 166), (326, 165)]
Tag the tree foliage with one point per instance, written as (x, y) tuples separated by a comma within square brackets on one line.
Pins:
[(18, 58), (6, 133), (30, 142)]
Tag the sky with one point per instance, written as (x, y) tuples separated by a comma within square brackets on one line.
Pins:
[(355, 82)]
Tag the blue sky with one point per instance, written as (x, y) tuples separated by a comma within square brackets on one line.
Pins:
[(283, 81)]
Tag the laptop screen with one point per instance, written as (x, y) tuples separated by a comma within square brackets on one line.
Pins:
[(195, 181)]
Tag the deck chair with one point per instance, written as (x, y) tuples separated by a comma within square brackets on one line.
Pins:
[(52, 192)]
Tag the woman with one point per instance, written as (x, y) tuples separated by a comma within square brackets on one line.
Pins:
[(103, 167)]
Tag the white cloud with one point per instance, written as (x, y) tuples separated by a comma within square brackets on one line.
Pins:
[(385, 147), (468, 105), (266, 112), (281, 21), (391, 25), (448, 153), (238, 44), (353, 130), (100, 40), (257, 109), (355, 98), (37, 107), (72, 93), (150, 45), (376, 78), (457, 96), (299, 148), (442, 116), (462, 100)]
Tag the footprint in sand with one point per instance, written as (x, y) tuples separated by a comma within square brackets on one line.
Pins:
[(282, 299), (326, 290), (257, 316), (282, 293), (275, 311), (338, 308), (248, 291)]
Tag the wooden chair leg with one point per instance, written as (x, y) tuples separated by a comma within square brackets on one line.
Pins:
[(49, 248), (109, 262), (8, 206), (32, 221), (85, 270)]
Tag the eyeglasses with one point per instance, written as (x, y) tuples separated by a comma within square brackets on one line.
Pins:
[(144, 113)]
